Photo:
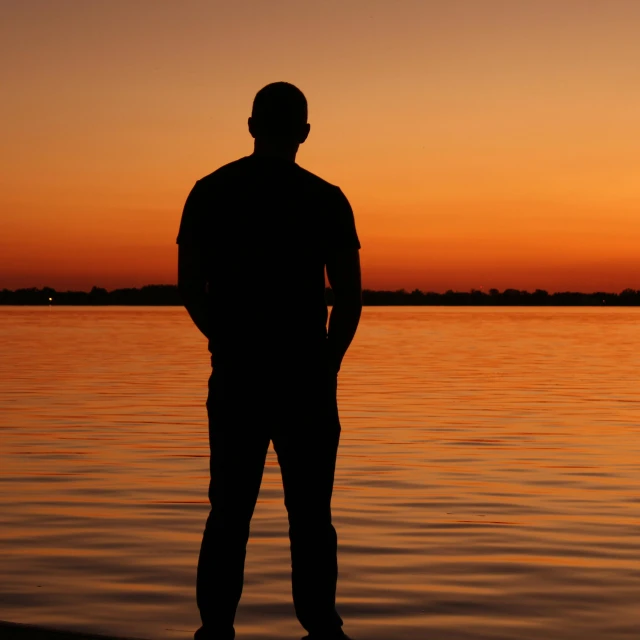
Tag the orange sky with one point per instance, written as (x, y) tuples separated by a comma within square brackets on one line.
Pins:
[(482, 143)]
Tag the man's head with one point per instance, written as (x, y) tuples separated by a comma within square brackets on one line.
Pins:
[(279, 115)]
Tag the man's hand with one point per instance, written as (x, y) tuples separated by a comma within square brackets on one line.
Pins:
[(343, 271), (192, 285)]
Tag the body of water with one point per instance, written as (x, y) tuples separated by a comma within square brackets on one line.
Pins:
[(487, 487)]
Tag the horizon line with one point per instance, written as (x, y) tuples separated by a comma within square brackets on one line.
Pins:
[(481, 290)]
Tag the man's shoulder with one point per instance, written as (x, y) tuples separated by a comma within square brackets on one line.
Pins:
[(315, 181), (224, 172), (243, 169)]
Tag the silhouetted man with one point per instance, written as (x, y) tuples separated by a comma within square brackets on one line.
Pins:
[(254, 241)]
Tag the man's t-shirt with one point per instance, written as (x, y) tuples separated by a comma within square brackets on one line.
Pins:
[(264, 229)]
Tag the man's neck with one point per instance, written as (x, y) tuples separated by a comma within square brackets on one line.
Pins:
[(265, 149)]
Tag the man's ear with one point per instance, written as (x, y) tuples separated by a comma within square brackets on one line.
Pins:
[(305, 132), (251, 128)]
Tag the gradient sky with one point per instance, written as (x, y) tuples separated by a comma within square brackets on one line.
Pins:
[(482, 143)]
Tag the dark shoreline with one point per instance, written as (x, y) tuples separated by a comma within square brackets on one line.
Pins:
[(15, 631), (167, 295)]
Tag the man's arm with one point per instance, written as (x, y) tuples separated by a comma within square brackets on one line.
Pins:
[(192, 285), (343, 271)]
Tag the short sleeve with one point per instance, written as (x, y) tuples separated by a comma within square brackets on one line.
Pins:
[(342, 231), (192, 222)]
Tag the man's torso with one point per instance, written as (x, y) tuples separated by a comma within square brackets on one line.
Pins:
[(265, 227)]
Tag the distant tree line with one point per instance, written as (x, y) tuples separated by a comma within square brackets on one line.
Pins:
[(166, 294), (153, 294)]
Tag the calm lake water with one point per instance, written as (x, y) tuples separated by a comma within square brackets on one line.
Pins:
[(488, 480)]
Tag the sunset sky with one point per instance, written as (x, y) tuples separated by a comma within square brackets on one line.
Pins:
[(482, 143)]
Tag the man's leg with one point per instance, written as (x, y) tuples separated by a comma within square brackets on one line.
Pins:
[(238, 452), (307, 450)]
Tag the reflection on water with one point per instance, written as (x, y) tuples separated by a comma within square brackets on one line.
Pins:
[(487, 485)]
